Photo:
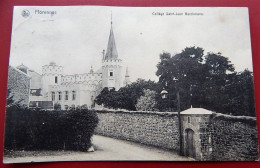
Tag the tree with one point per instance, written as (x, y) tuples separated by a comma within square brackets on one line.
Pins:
[(147, 102), (207, 81), (240, 91), (220, 72), (183, 71), (10, 101), (126, 97)]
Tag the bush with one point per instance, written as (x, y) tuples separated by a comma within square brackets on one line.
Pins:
[(28, 129)]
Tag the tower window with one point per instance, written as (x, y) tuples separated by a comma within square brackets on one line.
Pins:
[(110, 73), (53, 96), (60, 95), (188, 119), (66, 95), (73, 95), (56, 79)]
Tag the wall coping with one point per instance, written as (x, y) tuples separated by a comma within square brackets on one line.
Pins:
[(139, 112), (244, 119)]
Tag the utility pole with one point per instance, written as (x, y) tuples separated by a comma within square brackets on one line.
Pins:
[(179, 118)]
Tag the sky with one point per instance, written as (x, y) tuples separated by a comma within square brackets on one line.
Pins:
[(75, 36)]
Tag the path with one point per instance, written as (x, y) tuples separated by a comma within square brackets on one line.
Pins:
[(106, 149)]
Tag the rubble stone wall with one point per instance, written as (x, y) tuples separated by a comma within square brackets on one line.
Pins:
[(151, 128), (234, 138), (217, 137)]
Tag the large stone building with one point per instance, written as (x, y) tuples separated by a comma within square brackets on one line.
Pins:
[(54, 87)]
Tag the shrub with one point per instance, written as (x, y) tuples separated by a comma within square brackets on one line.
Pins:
[(28, 129)]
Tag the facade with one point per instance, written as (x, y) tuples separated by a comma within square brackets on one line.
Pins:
[(19, 85), (65, 91)]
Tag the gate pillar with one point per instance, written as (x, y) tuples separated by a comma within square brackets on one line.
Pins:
[(196, 133)]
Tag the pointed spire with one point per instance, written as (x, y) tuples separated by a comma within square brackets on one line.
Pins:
[(111, 19), (91, 69), (126, 72), (111, 52), (127, 78)]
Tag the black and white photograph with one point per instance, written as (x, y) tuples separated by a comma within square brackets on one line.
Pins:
[(99, 83)]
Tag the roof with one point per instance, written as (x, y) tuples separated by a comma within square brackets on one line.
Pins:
[(18, 70), (196, 111), (111, 52), (22, 66), (164, 92)]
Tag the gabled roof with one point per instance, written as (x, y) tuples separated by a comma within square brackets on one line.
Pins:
[(22, 67), (111, 52)]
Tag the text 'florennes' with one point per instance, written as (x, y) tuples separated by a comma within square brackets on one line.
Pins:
[(45, 12)]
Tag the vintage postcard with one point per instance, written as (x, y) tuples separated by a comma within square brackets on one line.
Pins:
[(89, 83)]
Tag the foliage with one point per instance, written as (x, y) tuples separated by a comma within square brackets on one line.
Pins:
[(147, 102), (10, 100), (126, 97), (208, 81), (28, 129), (57, 106)]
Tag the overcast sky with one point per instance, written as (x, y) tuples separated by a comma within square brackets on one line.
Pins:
[(75, 36)]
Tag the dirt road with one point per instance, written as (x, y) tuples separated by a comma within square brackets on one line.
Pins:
[(105, 149)]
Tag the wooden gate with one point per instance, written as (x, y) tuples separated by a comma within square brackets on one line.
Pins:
[(190, 145)]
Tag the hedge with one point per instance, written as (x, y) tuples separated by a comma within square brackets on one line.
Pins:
[(34, 129)]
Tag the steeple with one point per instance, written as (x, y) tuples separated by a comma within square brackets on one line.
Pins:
[(126, 72), (111, 52), (127, 78)]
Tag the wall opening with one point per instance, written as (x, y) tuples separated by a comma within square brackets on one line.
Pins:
[(190, 144)]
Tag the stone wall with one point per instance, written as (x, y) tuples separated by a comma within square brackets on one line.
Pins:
[(199, 125), (234, 138), (19, 85), (213, 136), (151, 128)]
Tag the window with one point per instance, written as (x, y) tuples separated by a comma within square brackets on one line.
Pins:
[(73, 95), (53, 96), (56, 79), (110, 73), (188, 119), (60, 95), (66, 95)]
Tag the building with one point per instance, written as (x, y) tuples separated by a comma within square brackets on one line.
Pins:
[(19, 85), (65, 91)]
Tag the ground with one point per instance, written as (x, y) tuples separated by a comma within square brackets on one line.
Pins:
[(105, 149)]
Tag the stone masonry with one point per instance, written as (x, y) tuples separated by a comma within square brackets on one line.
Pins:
[(151, 128), (234, 138), (196, 120), (206, 135), (19, 85)]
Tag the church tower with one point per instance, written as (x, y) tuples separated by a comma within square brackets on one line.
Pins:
[(111, 65)]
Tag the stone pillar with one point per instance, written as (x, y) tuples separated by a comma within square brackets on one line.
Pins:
[(196, 133)]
